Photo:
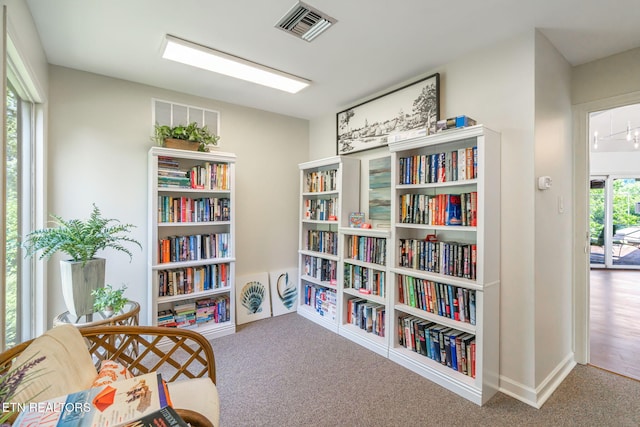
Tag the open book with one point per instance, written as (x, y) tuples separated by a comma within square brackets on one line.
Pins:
[(111, 405)]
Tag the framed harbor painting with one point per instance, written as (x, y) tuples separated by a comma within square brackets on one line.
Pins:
[(367, 125)]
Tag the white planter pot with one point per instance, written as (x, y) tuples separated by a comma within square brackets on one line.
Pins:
[(79, 281)]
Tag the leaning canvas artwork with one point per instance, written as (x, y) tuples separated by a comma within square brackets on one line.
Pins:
[(284, 290), (252, 298)]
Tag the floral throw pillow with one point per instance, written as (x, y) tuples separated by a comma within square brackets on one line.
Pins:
[(109, 372)]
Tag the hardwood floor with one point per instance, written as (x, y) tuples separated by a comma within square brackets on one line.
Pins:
[(615, 321)]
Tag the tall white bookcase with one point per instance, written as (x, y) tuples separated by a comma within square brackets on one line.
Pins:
[(192, 237), (364, 287), (435, 258), (329, 192)]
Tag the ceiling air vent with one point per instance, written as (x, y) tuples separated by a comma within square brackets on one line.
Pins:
[(305, 22)]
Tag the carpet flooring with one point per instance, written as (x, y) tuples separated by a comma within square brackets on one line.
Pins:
[(288, 371)]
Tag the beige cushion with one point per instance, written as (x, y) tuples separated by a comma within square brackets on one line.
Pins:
[(197, 394), (67, 367)]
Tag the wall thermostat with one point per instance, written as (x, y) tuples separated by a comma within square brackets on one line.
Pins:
[(544, 182)]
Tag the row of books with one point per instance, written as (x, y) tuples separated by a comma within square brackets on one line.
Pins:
[(194, 313), (366, 315), (319, 181), (363, 279), (439, 209), (448, 346), (445, 300), (319, 268), (448, 258), (367, 249), (210, 176), (322, 241), (321, 209), (457, 165), (322, 300), (193, 247), (186, 209), (207, 176), (189, 280)]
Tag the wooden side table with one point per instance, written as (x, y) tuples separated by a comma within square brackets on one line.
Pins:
[(128, 316)]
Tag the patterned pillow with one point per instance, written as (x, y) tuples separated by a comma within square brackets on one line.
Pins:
[(111, 371)]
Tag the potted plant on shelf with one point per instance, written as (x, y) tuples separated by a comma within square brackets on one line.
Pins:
[(190, 137), (109, 300), (81, 240)]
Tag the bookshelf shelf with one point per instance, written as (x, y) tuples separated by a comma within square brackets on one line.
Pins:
[(450, 177), (192, 261), (329, 191), (194, 224), (444, 321)]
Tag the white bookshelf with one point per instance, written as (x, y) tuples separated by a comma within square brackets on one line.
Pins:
[(217, 264), (329, 191), (363, 278), (484, 234)]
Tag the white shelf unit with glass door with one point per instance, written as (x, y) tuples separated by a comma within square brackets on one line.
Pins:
[(329, 192), (445, 259)]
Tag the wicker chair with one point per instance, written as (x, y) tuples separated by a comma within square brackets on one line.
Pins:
[(177, 354)]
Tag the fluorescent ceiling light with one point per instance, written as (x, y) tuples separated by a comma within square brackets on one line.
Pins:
[(219, 62)]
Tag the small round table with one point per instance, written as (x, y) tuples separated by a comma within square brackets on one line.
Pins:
[(128, 316)]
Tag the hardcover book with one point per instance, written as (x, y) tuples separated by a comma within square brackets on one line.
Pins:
[(356, 219)]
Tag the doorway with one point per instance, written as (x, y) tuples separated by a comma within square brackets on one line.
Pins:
[(614, 239)]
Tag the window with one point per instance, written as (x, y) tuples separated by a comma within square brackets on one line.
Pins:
[(11, 225)]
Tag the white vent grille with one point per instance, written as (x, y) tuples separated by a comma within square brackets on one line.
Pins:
[(305, 22)]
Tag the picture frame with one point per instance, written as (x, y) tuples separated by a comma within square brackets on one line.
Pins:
[(380, 188), (367, 125), (253, 301), (284, 291)]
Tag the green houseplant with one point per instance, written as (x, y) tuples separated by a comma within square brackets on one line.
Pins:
[(81, 240), (109, 300), (202, 136)]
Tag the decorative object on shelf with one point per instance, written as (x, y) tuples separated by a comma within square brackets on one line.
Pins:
[(380, 188), (284, 291), (190, 137), (356, 219), (368, 125), (454, 123), (253, 302), (81, 240), (109, 300)]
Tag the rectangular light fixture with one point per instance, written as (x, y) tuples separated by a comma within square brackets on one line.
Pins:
[(206, 58)]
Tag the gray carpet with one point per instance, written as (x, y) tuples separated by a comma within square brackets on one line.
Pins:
[(288, 371)]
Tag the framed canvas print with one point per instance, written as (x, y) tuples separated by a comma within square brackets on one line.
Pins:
[(380, 188), (252, 298), (284, 291), (368, 125)]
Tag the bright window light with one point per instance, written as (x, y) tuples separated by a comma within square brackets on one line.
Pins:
[(219, 62)]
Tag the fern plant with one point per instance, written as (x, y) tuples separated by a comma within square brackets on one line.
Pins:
[(81, 240)]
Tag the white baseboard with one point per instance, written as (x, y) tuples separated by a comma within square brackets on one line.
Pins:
[(538, 396)]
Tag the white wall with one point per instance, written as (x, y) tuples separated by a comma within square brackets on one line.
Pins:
[(99, 135), (496, 87), (553, 219), (617, 163)]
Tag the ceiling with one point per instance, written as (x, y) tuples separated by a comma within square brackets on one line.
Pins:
[(375, 44)]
